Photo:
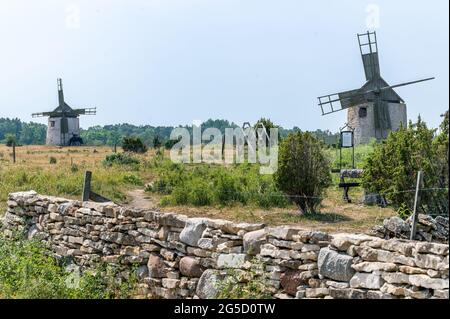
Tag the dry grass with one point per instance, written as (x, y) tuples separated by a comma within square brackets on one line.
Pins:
[(335, 215)]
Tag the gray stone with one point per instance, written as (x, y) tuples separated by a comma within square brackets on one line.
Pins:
[(209, 284), (231, 260), (253, 240), (367, 281), (193, 231), (374, 266), (282, 232), (334, 265), (344, 241), (427, 282)]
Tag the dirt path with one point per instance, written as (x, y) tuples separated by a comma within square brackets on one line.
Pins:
[(140, 200)]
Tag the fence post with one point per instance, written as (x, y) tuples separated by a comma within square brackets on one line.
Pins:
[(416, 204), (14, 151), (87, 186)]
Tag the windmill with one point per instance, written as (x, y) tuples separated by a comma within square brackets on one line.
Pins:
[(63, 122), (375, 109)]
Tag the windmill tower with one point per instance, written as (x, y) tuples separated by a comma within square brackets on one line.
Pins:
[(63, 122), (375, 109)]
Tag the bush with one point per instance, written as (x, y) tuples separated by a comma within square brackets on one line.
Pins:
[(120, 159), (28, 270), (249, 285), (303, 170), (52, 160), (203, 184), (133, 144), (392, 168), (10, 140)]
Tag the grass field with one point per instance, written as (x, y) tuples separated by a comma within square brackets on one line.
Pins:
[(125, 184)]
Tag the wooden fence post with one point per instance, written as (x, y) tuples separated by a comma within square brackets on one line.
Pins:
[(416, 204), (87, 186)]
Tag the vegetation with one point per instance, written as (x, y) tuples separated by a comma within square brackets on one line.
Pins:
[(28, 270), (248, 285), (303, 170), (391, 170), (110, 135), (204, 185), (133, 144), (23, 133), (120, 159)]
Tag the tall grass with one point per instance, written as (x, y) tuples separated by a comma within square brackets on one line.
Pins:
[(204, 185)]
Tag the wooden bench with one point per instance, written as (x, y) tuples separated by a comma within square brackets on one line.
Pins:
[(348, 173)]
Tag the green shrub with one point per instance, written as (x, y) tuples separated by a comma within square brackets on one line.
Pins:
[(203, 184), (391, 170), (52, 160), (248, 285), (10, 139), (303, 170), (120, 159), (28, 270), (133, 144)]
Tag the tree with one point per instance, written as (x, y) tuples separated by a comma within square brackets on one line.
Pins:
[(10, 139), (133, 144), (157, 142), (303, 170), (391, 170)]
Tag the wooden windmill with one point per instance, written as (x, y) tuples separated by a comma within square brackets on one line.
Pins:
[(375, 109), (63, 122)]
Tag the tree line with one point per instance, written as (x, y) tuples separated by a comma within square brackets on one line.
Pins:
[(35, 133)]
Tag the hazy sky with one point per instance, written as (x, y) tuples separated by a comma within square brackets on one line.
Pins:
[(168, 62)]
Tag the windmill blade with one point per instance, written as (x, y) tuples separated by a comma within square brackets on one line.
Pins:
[(86, 111), (337, 102), (369, 52), (404, 84)]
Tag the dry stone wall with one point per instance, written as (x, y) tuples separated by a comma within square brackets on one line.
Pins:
[(181, 257)]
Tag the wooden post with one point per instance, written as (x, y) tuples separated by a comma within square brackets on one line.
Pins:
[(14, 151), (416, 204), (115, 147), (87, 186)]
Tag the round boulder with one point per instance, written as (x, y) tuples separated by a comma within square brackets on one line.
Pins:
[(190, 267)]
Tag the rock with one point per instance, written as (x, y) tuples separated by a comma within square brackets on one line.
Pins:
[(334, 265), (401, 246), (429, 262), (395, 278), (335, 284), (343, 241), (253, 240), (193, 231), (282, 232), (378, 295), (441, 294), (374, 266), (208, 285), (142, 272), (231, 261), (368, 281), (403, 291), (412, 270), (348, 293), (316, 292), (156, 267), (396, 225), (433, 248), (427, 282), (290, 280)]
